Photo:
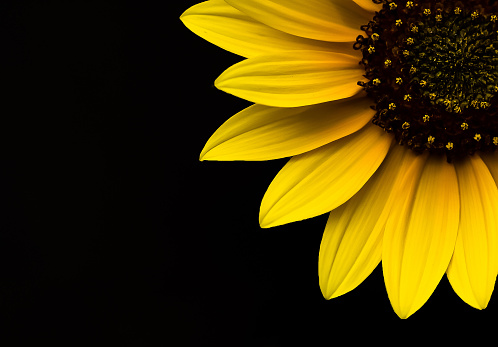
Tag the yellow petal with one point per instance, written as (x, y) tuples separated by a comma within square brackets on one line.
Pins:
[(473, 267), (293, 78), (491, 160), (326, 20), (351, 246), (369, 5), (228, 28), (263, 133), (420, 234), (316, 182)]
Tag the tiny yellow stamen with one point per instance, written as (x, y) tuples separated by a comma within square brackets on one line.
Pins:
[(414, 29), (473, 103), (410, 41), (371, 49), (474, 15), (446, 102), (439, 18), (432, 96), (426, 118), (423, 83), (392, 6), (398, 22), (431, 139), (387, 62), (375, 36), (399, 80), (376, 82), (405, 125), (484, 104), (449, 146), (413, 69), (493, 18), (464, 126), (427, 11), (409, 4), (392, 106), (458, 10), (477, 137), (495, 141), (407, 97), (457, 109), (406, 53)]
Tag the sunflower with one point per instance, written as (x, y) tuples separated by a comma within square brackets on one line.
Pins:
[(388, 113)]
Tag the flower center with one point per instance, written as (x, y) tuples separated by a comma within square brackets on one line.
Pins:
[(433, 74)]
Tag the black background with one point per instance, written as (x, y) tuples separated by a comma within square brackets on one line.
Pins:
[(112, 231)]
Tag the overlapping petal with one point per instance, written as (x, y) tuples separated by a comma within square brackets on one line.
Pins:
[(326, 20), (351, 246), (316, 182), (473, 267), (420, 234), (293, 78), (264, 133), (228, 28)]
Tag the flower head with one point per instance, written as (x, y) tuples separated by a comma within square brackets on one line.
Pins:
[(386, 134)]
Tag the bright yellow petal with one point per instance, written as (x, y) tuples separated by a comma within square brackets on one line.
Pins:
[(369, 5), (293, 78), (316, 182), (228, 28), (472, 270), (326, 20), (263, 133), (351, 246), (420, 234)]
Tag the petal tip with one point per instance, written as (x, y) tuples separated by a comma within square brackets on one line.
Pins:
[(204, 152), (403, 313), (263, 223)]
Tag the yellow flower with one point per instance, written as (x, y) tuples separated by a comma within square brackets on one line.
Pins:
[(421, 214)]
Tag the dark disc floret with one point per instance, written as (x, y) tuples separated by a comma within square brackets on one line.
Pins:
[(432, 70)]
